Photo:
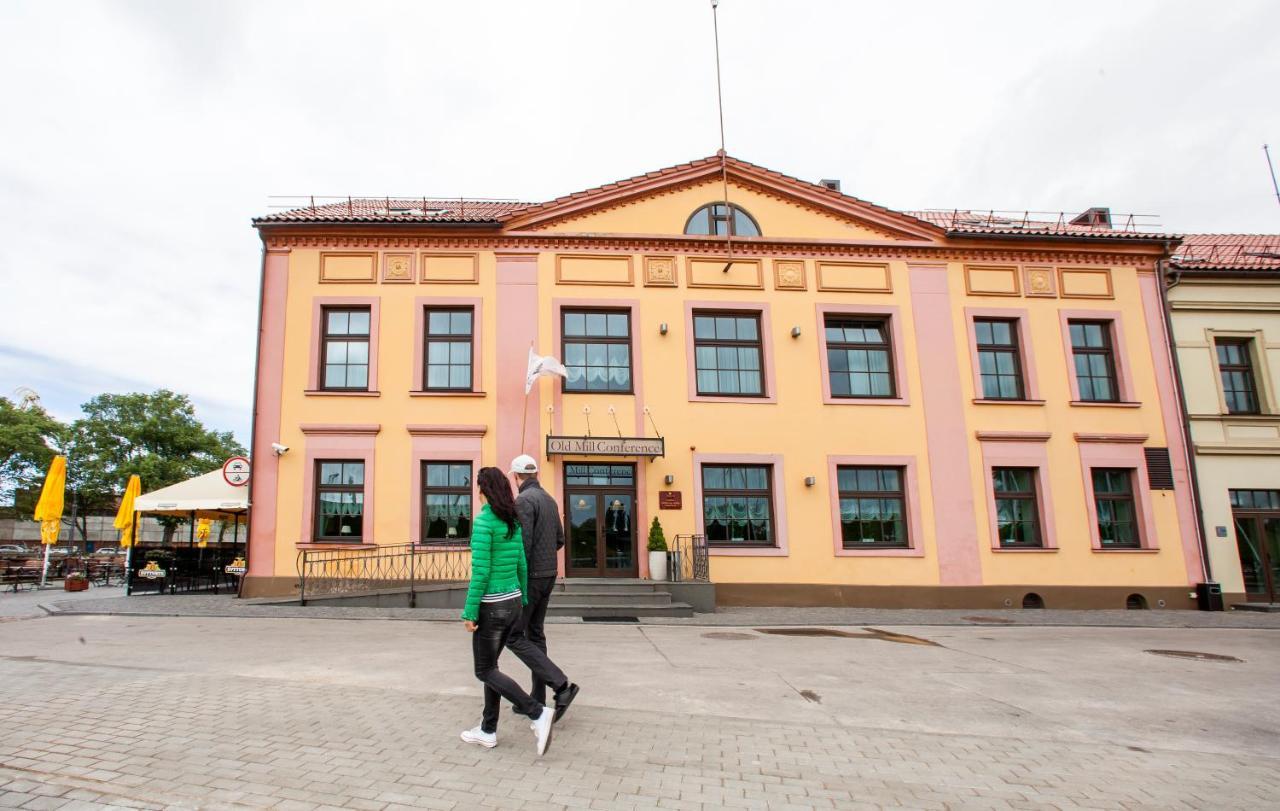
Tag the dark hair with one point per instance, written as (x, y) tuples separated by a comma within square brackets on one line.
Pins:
[(495, 487)]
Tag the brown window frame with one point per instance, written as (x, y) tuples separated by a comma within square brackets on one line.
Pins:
[(1245, 345), (1131, 497), (326, 338), (1032, 496), (608, 340), (884, 323), (995, 349), (447, 490), (448, 339), (726, 492), (1107, 350), (881, 495), (758, 344), (714, 220), (322, 487)]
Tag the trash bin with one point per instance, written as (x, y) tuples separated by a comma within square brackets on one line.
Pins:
[(1209, 596)]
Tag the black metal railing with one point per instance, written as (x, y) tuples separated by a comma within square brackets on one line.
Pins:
[(687, 557), (328, 572)]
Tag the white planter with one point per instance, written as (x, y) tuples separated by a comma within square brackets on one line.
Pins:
[(657, 565)]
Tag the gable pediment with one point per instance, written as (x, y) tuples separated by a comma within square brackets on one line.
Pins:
[(661, 202)]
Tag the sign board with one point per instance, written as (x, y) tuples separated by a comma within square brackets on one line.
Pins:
[(235, 567), (1220, 531), (605, 446), (236, 471), (669, 500), (152, 571)]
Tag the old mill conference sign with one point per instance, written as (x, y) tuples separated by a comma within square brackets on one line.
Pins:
[(605, 446)]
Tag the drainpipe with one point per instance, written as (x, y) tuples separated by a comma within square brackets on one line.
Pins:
[(1188, 445), (253, 418)]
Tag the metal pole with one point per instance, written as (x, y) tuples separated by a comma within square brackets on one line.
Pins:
[(724, 165), (128, 557), (413, 560), (1267, 150)]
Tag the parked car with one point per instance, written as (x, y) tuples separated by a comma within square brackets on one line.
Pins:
[(13, 549), (107, 551)]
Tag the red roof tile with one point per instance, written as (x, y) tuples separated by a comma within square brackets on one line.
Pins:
[(1227, 252), (397, 209), (1028, 223)]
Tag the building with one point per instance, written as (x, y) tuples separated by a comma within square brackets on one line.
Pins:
[(1224, 298), (856, 406)]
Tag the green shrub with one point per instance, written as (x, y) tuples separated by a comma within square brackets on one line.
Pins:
[(657, 541)]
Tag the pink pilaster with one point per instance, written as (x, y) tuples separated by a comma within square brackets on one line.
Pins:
[(954, 519), (517, 331), (266, 414)]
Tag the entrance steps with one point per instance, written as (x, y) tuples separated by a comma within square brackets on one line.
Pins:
[(612, 597)]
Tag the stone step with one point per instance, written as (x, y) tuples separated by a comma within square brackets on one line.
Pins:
[(601, 584), (606, 597), (568, 609)]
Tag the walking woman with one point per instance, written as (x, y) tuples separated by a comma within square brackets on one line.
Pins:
[(495, 603)]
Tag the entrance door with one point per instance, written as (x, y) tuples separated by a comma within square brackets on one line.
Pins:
[(1257, 524), (600, 520)]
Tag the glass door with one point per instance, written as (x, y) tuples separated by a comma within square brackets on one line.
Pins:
[(1256, 515), (600, 520)]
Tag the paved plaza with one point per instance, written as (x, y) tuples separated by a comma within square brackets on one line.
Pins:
[(137, 711)]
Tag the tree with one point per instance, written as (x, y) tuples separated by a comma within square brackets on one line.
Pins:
[(29, 438), (156, 436)]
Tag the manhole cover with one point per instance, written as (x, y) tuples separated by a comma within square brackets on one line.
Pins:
[(989, 620), (727, 635), (1193, 654), (872, 633)]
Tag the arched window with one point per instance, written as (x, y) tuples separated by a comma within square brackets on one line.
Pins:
[(712, 219)]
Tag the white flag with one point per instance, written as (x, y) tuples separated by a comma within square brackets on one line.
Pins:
[(540, 365)]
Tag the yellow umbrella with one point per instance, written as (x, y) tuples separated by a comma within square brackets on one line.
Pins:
[(202, 532), (49, 509), (124, 516)]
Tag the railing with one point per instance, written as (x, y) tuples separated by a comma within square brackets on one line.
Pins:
[(328, 572), (688, 559)]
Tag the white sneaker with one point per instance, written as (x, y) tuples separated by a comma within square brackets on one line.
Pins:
[(542, 727), (477, 735)]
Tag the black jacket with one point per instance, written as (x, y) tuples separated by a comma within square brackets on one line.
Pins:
[(540, 523)]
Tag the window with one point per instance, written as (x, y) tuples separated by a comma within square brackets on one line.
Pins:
[(446, 502), (737, 505), (999, 358), (872, 507), (339, 501), (1235, 365), (596, 350), (727, 354), (714, 219), (1255, 499), (1017, 514), (1095, 363), (859, 360), (1113, 496), (449, 349), (344, 345)]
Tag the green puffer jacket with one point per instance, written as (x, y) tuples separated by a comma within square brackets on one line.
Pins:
[(497, 562)]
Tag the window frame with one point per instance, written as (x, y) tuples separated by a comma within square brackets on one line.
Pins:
[(778, 502), (893, 316), (882, 321), (712, 220), (319, 487), (705, 493), (1032, 495), (1015, 347), (1120, 358), (1118, 451), (1019, 449), (1131, 477), (425, 489), (758, 344), (1107, 351), (900, 494), (629, 340), (451, 338), (1248, 369), (421, 305), (327, 310)]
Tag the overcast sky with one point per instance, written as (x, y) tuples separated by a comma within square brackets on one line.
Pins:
[(140, 137)]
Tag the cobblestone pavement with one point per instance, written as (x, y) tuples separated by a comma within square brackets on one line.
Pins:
[(200, 605), (157, 712)]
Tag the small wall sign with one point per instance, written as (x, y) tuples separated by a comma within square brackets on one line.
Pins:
[(236, 471), (669, 500), (235, 567), (152, 571), (1221, 532), (605, 446)]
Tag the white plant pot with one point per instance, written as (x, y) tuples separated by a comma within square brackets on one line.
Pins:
[(657, 565)]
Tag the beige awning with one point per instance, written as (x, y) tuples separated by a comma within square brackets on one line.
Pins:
[(209, 496)]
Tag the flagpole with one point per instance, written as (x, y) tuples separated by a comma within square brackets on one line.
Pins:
[(524, 417)]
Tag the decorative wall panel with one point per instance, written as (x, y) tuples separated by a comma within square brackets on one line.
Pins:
[(347, 267), (855, 277), (397, 268), (450, 268), (741, 273), (660, 271), (607, 269), (991, 280), (789, 274), (1085, 283)]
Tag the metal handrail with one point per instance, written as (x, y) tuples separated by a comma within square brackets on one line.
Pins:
[(689, 560), (328, 572)]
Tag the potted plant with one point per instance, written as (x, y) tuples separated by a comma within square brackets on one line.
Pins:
[(657, 551), (75, 581)]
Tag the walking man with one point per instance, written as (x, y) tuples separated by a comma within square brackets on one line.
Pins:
[(543, 538)]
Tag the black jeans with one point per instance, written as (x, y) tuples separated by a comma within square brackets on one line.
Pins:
[(529, 639), (496, 623)]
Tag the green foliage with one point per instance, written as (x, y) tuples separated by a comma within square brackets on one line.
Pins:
[(29, 439), (657, 540)]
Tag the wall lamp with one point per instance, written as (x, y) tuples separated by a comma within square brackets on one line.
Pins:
[(795, 332), (662, 328), (810, 481), (669, 479)]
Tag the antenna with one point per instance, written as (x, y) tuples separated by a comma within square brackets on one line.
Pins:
[(724, 161), (1267, 150)]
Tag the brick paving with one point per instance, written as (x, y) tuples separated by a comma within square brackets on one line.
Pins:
[(81, 734)]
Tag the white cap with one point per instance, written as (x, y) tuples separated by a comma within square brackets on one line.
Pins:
[(524, 463)]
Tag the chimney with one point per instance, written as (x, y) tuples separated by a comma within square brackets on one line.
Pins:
[(1096, 217), (830, 183)]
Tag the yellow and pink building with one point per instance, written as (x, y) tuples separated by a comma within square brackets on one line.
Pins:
[(855, 406)]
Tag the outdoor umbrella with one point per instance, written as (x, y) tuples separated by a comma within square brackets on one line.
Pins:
[(49, 509), (126, 521)]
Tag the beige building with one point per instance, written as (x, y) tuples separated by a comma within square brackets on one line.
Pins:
[(1224, 299)]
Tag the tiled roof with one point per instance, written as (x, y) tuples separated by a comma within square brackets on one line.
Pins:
[(395, 209), (1028, 223), (1227, 252)]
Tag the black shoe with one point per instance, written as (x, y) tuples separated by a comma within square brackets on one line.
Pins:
[(564, 698)]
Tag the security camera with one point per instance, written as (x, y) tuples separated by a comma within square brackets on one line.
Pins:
[(279, 449)]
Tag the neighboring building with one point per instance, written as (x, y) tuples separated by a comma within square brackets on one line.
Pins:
[(858, 406), (1224, 297)]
